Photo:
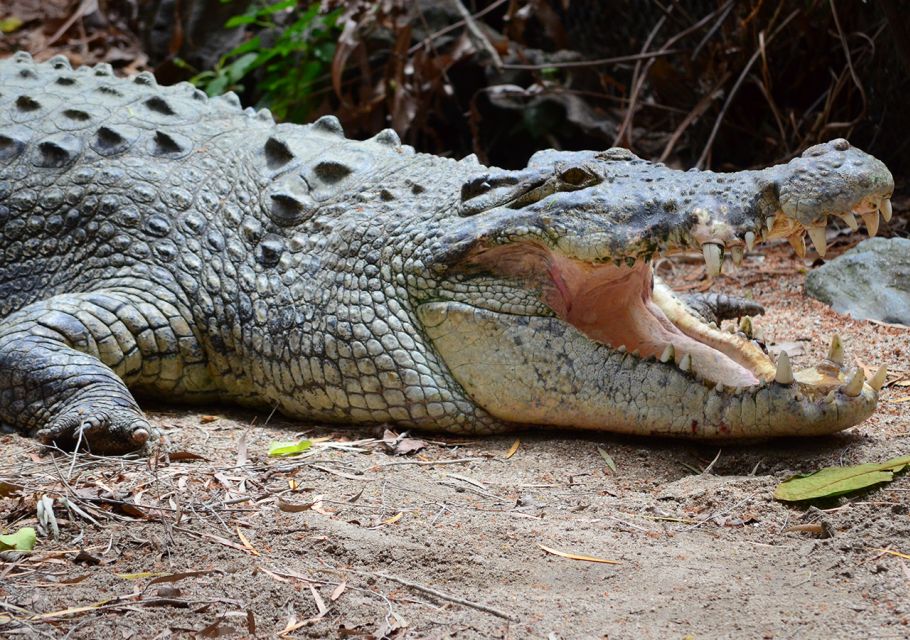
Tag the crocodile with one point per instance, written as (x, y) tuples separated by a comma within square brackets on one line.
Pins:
[(156, 242)]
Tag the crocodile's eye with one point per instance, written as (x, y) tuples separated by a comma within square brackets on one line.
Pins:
[(578, 176)]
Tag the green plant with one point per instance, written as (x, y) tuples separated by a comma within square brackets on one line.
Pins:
[(291, 50)]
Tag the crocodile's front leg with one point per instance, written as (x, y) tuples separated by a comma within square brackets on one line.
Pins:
[(65, 364)]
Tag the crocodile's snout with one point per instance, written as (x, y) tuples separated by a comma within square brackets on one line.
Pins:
[(833, 179)]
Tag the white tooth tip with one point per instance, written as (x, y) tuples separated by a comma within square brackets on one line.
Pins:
[(817, 235), (850, 219), (887, 211), (836, 350), (798, 242), (871, 220), (714, 255), (784, 373), (878, 380), (737, 252), (750, 240), (621, 348), (854, 385), (668, 354), (719, 388), (685, 363)]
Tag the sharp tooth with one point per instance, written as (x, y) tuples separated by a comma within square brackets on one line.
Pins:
[(714, 255), (831, 397), (737, 252), (871, 220), (621, 348), (855, 385), (668, 354), (798, 243), (784, 373), (886, 209), (769, 222), (750, 240), (719, 388), (745, 325), (836, 351), (686, 363), (817, 235), (636, 353), (850, 219), (878, 380)]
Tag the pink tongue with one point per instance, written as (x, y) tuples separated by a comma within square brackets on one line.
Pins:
[(613, 305)]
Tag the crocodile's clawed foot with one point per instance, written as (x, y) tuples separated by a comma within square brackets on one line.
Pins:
[(108, 430)]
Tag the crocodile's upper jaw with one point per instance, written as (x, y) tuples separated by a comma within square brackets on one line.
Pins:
[(613, 350)]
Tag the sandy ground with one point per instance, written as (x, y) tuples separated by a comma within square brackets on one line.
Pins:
[(355, 541)]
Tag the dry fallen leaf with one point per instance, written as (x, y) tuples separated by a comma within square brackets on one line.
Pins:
[(291, 507), (320, 603), (246, 543), (513, 448), (184, 456), (338, 591), (401, 445), (576, 556)]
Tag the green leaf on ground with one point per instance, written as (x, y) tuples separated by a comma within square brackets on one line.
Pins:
[(837, 481), (278, 449), (22, 540), (607, 459), (8, 25)]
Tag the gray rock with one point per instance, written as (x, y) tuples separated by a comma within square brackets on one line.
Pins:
[(869, 282)]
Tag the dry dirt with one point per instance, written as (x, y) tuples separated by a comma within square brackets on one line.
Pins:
[(357, 542)]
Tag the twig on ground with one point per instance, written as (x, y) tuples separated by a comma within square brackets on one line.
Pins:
[(429, 463), (447, 597)]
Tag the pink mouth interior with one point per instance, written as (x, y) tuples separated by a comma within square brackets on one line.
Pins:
[(613, 306)]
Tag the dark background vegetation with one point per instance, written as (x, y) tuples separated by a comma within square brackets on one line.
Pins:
[(711, 83)]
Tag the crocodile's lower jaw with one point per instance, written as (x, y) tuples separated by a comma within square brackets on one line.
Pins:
[(625, 355)]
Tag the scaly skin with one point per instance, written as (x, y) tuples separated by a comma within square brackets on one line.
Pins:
[(156, 241)]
